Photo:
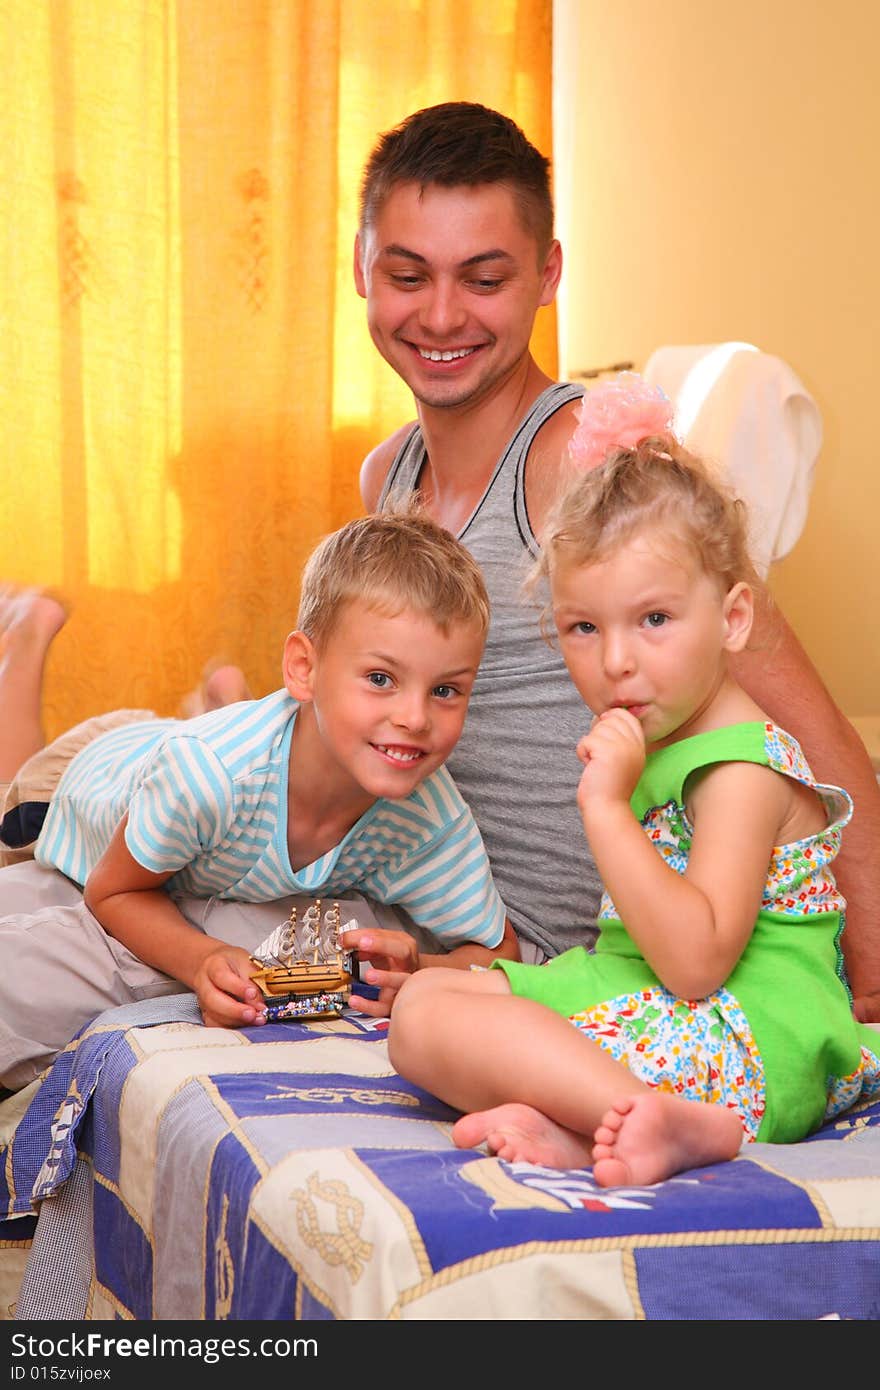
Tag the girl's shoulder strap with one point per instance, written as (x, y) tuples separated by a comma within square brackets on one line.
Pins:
[(759, 741)]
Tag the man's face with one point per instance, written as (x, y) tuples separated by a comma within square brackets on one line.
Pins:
[(453, 279)]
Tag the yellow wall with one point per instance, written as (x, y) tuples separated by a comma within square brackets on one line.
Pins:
[(718, 177)]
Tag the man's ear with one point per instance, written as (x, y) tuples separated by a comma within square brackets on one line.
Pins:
[(552, 273), (360, 283), (298, 666), (739, 614)]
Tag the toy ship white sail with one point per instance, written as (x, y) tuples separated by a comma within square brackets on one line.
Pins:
[(304, 971)]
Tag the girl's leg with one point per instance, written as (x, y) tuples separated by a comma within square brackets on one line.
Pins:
[(507, 1062), (29, 622), (536, 1089)]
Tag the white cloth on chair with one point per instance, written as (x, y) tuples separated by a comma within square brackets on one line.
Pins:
[(748, 413)]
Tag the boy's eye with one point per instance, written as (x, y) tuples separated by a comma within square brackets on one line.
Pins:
[(380, 679), (585, 626), (444, 692), (656, 619)]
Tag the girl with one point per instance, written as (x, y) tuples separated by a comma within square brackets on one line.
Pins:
[(713, 1007)]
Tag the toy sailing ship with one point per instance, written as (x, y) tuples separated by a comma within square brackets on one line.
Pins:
[(304, 970)]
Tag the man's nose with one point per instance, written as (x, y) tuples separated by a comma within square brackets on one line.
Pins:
[(442, 311)]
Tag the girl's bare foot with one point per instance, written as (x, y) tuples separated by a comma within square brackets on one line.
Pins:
[(220, 686), (645, 1138), (519, 1134), (29, 620)]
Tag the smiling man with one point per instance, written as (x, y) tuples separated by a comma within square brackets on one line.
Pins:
[(454, 256)]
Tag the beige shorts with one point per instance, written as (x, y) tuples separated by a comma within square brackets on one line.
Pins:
[(37, 779)]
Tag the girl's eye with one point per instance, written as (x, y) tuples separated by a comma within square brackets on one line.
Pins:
[(656, 619), (585, 627), (380, 679), (444, 692)]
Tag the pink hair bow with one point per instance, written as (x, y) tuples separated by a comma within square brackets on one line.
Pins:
[(618, 414)]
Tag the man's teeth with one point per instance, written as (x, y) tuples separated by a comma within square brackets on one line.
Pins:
[(400, 755), (434, 356)]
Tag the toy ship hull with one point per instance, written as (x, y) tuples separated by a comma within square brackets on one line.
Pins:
[(302, 977)]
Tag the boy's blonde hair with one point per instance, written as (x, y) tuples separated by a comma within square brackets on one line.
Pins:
[(392, 560), (656, 487)]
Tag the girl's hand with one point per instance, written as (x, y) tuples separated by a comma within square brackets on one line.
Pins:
[(227, 996), (613, 754)]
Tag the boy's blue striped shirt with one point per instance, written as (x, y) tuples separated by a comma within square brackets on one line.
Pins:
[(206, 800)]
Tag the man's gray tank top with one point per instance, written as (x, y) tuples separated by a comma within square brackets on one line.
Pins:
[(515, 763)]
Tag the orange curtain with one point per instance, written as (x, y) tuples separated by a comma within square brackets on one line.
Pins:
[(187, 386)]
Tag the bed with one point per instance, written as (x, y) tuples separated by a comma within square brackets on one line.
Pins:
[(163, 1170)]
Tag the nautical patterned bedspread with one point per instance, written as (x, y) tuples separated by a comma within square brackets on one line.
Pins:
[(288, 1173)]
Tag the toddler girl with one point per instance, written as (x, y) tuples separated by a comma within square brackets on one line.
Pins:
[(713, 1008)]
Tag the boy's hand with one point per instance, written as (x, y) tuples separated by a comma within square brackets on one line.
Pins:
[(393, 957), (613, 754), (227, 996)]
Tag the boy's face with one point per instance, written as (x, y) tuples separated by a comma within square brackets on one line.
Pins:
[(389, 696), (453, 280)]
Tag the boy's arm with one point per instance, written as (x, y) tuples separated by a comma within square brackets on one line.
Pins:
[(394, 955), (130, 903), (780, 677)]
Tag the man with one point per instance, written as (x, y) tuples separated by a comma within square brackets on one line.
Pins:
[(454, 256)]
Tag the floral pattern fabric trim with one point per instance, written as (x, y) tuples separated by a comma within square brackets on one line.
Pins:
[(862, 1085), (700, 1050)]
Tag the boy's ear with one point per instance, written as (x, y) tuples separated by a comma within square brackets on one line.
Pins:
[(298, 666), (739, 614)]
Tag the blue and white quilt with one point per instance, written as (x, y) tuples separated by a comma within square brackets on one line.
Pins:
[(287, 1172)]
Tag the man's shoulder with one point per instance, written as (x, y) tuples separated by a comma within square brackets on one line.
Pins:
[(547, 463), (558, 428), (374, 469)]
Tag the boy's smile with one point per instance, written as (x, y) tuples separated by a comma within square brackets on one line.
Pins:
[(383, 702)]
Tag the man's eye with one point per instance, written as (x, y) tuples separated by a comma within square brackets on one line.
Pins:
[(380, 679), (406, 281), (486, 285), (656, 619)]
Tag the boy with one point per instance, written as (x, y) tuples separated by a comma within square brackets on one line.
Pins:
[(333, 784)]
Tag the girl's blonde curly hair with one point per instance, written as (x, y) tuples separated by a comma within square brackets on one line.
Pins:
[(656, 487)]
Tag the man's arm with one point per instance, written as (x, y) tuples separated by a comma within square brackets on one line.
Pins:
[(375, 466), (780, 677)]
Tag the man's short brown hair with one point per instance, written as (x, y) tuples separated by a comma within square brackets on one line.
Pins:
[(461, 143)]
